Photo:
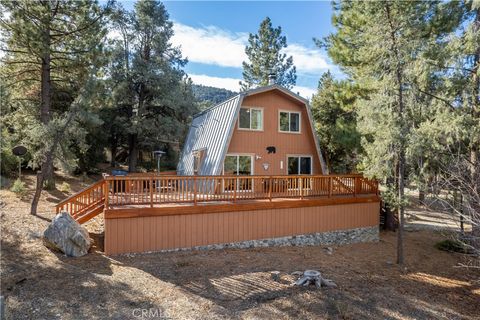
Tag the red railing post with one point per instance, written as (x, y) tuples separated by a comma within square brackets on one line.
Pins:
[(106, 187), (355, 186), (194, 190), (235, 185), (270, 183), (330, 186), (301, 187), (151, 192)]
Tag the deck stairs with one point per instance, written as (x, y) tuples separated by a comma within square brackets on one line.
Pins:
[(86, 204)]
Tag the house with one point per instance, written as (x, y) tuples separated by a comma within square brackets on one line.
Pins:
[(251, 174), (264, 131)]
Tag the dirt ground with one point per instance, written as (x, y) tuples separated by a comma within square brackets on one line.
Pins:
[(227, 284)]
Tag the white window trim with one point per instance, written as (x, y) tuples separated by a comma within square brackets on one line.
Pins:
[(251, 108), (251, 155), (299, 121), (300, 156), (252, 166)]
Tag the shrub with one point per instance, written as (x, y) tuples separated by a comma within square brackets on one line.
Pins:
[(452, 246), (65, 187), (19, 188), (9, 162)]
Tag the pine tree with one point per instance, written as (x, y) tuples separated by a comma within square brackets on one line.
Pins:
[(449, 141), (333, 109), (264, 52), (51, 48), (151, 97), (380, 46)]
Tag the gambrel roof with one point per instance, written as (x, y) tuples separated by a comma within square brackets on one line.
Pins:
[(212, 130)]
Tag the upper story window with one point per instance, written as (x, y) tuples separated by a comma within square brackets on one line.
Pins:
[(289, 121), (251, 119)]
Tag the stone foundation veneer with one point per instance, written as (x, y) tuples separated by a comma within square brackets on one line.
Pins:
[(340, 237)]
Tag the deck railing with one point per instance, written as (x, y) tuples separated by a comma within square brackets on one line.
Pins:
[(150, 190), (83, 201)]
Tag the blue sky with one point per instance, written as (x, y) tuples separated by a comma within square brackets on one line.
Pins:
[(213, 35)]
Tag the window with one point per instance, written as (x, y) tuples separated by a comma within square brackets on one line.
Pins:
[(250, 119), (237, 164), (289, 121), (299, 165), (198, 156)]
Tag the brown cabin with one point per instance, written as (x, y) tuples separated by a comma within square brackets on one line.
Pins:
[(265, 131), (251, 173)]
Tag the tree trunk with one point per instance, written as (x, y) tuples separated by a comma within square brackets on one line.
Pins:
[(421, 195), (45, 107), (41, 179), (401, 210), (132, 152), (474, 148), (113, 151), (403, 133)]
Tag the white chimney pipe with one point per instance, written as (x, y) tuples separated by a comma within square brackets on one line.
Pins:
[(272, 77)]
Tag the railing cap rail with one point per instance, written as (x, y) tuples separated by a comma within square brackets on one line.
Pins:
[(148, 176), (79, 193)]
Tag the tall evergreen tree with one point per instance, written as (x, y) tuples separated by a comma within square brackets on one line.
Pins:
[(264, 52), (51, 48), (380, 45), (151, 97), (450, 139), (333, 109)]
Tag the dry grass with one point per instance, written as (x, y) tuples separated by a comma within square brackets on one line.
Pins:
[(226, 284)]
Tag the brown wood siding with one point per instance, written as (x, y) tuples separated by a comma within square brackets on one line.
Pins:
[(255, 142), (155, 233)]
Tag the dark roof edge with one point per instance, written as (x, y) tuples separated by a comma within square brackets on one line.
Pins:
[(215, 106), (278, 87)]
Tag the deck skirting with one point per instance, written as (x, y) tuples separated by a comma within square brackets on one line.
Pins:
[(327, 224)]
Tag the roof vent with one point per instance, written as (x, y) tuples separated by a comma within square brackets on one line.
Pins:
[(272, 77)]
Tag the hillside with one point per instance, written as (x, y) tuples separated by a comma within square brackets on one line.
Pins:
[(211, 95)]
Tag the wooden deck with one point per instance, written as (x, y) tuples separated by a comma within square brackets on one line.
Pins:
[(150, 194), (152, 212)]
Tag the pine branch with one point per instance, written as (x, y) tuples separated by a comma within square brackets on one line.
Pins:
[(450, 68), (437, 97), (14, 51), (77, 30)]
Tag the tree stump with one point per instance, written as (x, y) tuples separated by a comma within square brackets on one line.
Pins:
[(314, 277)]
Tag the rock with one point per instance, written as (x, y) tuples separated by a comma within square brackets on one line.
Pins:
[(297, 273), (67, 235), (328, 283)]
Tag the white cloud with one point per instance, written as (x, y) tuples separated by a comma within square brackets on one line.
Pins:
[(307, 60), (305, 92), (216, 46), (210, 45), (233, 84)]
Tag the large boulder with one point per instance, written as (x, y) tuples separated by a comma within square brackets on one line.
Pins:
[(67, 235)]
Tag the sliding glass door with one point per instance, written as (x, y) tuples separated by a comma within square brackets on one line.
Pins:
[(299, 165), (241, 165)]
